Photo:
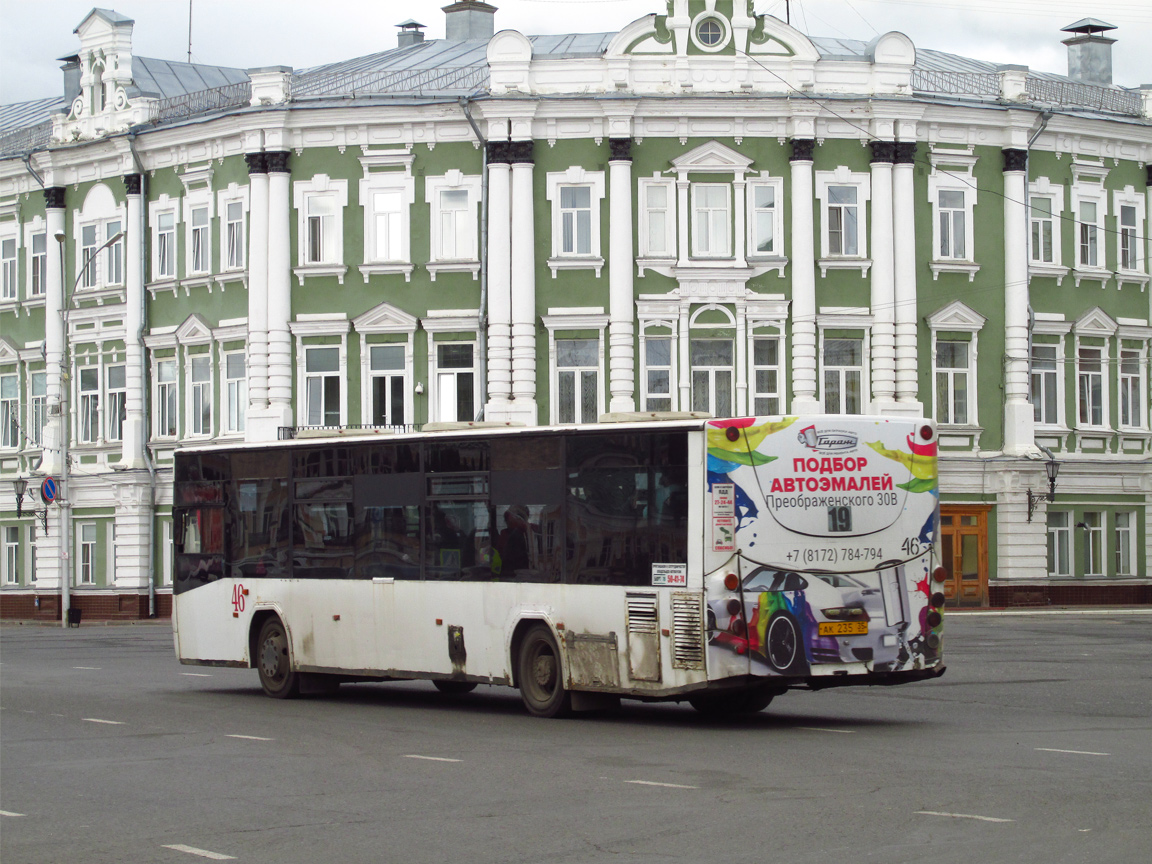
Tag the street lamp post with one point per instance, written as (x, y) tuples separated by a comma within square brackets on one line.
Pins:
[(66, 425), (1052, 469)]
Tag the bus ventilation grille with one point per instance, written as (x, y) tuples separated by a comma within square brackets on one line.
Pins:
[(642, 614), (687, 631)]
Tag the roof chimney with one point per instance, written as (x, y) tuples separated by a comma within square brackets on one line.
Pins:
[(71, 69), (1090, 52), (469, 19), (409, 33)]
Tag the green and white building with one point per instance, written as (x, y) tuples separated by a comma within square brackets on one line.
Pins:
[(707, 210)]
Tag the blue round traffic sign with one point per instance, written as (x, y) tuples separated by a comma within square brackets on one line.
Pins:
[(48, 490)]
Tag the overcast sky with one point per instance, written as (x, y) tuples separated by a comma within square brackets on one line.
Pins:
[(304, 33)]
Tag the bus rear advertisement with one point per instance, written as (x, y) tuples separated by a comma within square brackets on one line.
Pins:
[(721, 562)]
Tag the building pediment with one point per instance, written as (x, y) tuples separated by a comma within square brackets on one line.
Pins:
[(712, 157), (1095, 322), (385, 318), (9, 353), (956, 316), (194, 329)]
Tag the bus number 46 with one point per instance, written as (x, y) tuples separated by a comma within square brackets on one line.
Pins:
[(238, 593)]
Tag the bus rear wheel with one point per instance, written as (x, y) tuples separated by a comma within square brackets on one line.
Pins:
[(540, 676), (454, 688), (274, 662)]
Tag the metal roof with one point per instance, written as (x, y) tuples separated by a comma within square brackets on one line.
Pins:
[(165, 79), (19, 115)]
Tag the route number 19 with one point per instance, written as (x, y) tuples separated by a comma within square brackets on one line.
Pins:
[(839, 519)]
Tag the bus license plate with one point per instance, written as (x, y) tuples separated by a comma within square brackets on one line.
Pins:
[(843, 628)]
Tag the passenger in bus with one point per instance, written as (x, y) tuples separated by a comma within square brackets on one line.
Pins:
[(513, 542)]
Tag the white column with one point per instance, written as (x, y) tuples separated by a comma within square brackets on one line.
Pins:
[(499, 283), (904, 255), (279, 291), (54, 426), (883, 339), (257, 289), (803, 262), (523, 286), (132, 448), (1018, 418), (622, 306)]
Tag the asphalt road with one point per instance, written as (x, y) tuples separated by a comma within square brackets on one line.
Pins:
[(1035, 746)]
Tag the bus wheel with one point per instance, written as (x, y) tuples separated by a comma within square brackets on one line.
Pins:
[(784, 647), (454, 688), (540, 676), (274, 663)]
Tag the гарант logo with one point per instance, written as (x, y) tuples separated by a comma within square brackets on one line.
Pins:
[(827, 440)]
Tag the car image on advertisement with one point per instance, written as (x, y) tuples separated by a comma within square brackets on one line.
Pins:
[(793, 621)]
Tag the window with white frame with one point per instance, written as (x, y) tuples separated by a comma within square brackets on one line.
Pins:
[(322, 386), (11, 555), (8, 270), (658, 371), (1059, 543), (454, 200), (386, 370), (320, 230), (766, 377), (37, 407), (843, 220), (113, 255), (455, 225), (765, 219), (1132, 388), (712, 365), (455, 381), (320, 205), (1088, 221), (575, 220), (577, 380), (116, 407), (387, 211), (234, 235), (711, 220), (843, 366), (1129, 208), (1090, 386), (1093, 543), (951, 215), (576, 197), (90, 270), (236, 395), (167, 552), (89, 414), (658, 219), (200, 244), (1124, 538), (200, 394), (9, 411), (953, 374), (1044, 236), (164, 258), (166, 402), (1129, 248), (1045, 381), (86, 559), (38, 265), (32, 553)]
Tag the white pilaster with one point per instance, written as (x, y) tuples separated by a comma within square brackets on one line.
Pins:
[(257, 293), (132, 447), (499, 289), (523, 291), (803, 282), (1018, 417), (883, 338), (904, 259), (622, 307), (279, 292), (54, 427)]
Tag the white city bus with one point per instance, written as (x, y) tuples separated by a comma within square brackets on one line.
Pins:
[(720, 562)]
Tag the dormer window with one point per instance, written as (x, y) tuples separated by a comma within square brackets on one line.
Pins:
[(710, 32), (98, 101)]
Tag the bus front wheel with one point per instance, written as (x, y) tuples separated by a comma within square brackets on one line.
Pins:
[(274, 663), (540, 676)]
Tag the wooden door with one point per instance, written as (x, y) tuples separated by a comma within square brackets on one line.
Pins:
[(964, 554)]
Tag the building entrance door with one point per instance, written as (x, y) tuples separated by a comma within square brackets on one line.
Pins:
[(964, 554)]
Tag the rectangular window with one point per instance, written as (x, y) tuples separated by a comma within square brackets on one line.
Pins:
[(88, 247), (712, 367), (455, 382), (39, 264), (843, 222), (89, 405), (387, 370), (116, 394), (166, 399), (11, 555), (1130, 389), (843, 376), (166, 246), (576, 220), (657, 211), (1093, 543), (234, 234), (322, 386), (951, 216), (166, 552), (1044, 402), (765, 377), (1042, 225), (455, 225), (386, 215), (1089, 232), (32, 552), (87, 557), (710, 220), (200, 369), (200, 263), (8, 268), (37, 407), (113, 255), (9, 406), (658, 374), (319, 222), (1129, 249), (1059, 544), (952, 382), (236, 377), (1091, 387), (763, 220), (577, 372), (1125, 543)]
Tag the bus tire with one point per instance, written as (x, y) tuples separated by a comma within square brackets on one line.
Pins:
[(454, 688), (274, 661), (784, 645), (540, 676)]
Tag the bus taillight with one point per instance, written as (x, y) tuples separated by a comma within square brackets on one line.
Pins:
[(734, 606), (937, 599), (732, 433), (737, 627), (731, 581), (940, 574), (926, 432), (934, 618)]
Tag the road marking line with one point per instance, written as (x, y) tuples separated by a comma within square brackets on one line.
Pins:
[(963, 816), (8, 813), (250, 737), (97, 720), (665, 785), (55, 715), (89, 668), (203, 853), (819, 729), (196, 674), (431, 758), (1077, 752)]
